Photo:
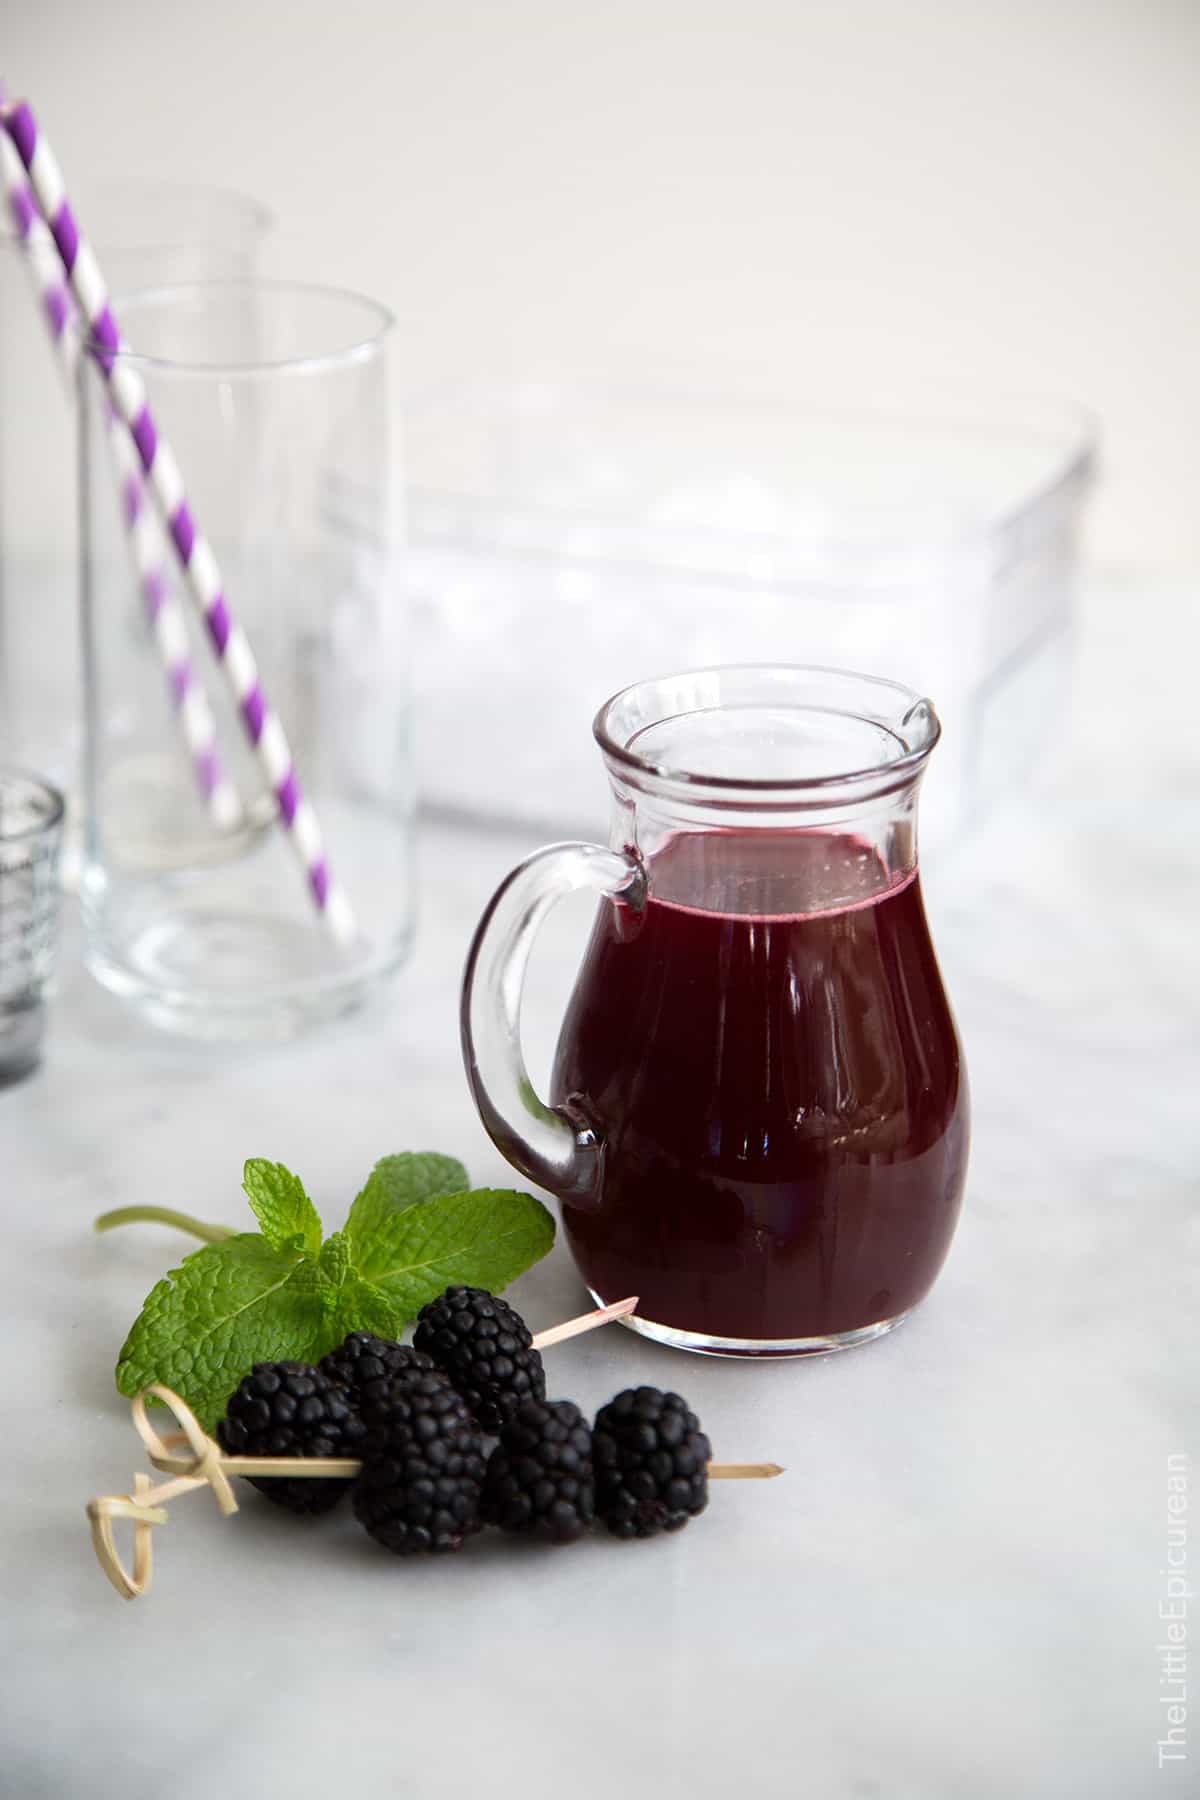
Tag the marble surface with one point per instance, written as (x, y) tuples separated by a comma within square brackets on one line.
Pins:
[(954, 1589)]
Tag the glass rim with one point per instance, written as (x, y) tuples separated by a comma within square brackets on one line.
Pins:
[(235, 199), (917, 708), (36, 786), (305, 362)]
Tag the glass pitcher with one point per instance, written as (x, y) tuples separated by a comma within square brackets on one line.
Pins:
[(758, 1117)]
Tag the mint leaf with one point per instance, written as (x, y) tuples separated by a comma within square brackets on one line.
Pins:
[(281, 1206), (333, 1268), (395, 1184), (225, 1308), (485, 1238), (334, 1260), (361, 1307)]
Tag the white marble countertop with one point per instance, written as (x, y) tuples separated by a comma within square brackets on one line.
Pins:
[(954, 1591)]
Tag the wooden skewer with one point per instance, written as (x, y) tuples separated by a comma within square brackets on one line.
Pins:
[(603, 1315), (743, 1471), (347, 1468)]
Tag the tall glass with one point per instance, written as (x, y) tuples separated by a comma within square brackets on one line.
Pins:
[(146, 233), (273, 397), (758, 1110)]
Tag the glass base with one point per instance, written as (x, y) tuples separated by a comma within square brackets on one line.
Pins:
[(21, 1028), (228, 977), (701, 1344)]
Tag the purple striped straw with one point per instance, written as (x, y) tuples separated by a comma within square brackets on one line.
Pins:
[(128, 393), (163, 611)]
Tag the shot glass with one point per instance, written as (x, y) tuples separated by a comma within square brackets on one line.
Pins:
[(274, 400), (31, 816)]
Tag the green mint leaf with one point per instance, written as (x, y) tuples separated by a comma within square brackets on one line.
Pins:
[(485, 1238), (333, 1264), (361, 1307), (281, 1206), (333, 1269), (395, 1184), (226, 1307)]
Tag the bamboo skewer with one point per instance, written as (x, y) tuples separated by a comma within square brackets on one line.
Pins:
[(557, 1334), (192, 1460), (744, 1471)]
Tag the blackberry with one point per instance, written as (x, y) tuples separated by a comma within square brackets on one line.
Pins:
[(361, 1359), (423, 1466), (485, 1349), (539, 1476), (651, 1461), (291, 1409)]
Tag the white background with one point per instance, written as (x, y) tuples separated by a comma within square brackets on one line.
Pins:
[(920, 193)]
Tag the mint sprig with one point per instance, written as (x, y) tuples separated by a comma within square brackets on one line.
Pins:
[(288, 1291), (278, 1201)]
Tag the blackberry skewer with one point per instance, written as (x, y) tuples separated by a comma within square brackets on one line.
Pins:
[(206, 1466)]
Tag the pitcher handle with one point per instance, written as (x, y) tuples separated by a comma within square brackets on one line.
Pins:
[(554, 1149)]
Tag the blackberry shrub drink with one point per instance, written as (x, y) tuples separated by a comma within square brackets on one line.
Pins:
[(759, 1119), (779, 1093)]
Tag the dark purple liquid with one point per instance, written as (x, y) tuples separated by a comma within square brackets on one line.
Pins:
[(780, 1092)]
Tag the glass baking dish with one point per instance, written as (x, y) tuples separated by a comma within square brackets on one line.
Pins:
[(569, 536)]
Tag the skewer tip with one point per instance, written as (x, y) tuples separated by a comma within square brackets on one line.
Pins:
[(756, 1471), (603, 1315)]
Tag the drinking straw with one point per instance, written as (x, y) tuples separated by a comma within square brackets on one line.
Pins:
[(163, 611), (127, 390)]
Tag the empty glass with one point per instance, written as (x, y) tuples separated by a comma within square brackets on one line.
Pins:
[(273, 397)]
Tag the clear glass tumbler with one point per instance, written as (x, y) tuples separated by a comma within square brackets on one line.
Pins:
[(31, 815), (274, 398), (145, 233)]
